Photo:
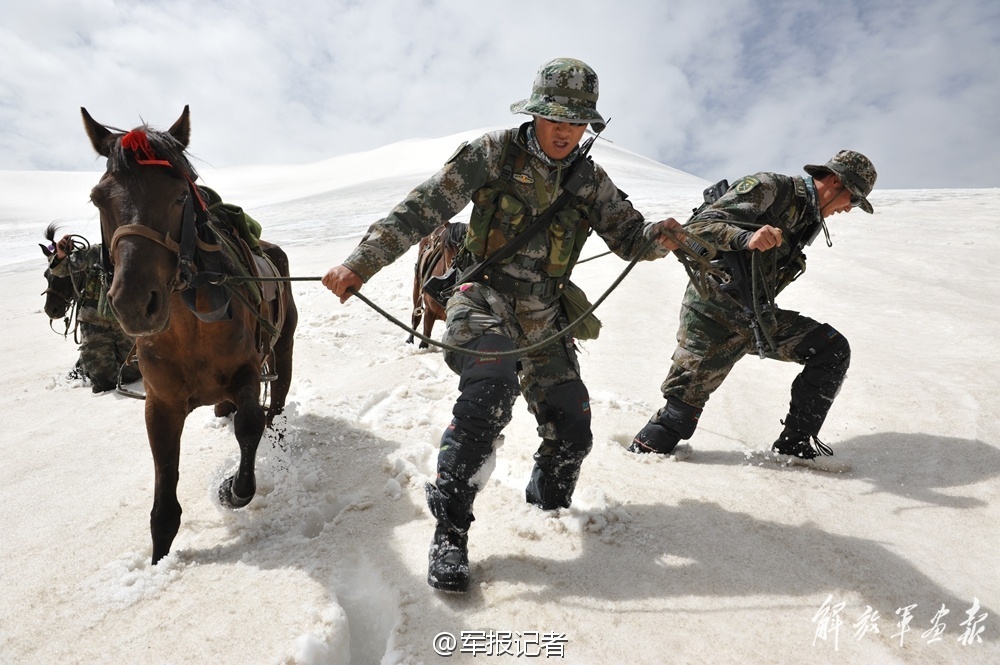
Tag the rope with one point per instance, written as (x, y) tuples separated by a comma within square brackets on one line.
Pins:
[(687, 256)]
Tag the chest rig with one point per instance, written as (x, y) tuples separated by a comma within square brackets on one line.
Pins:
[(507, 206)]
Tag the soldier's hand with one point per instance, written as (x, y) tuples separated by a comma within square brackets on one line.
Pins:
[(666, 240), (341, 280), (765, 238), (63, 247)]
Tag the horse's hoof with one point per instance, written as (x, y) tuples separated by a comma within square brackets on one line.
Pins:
[(229, 498)]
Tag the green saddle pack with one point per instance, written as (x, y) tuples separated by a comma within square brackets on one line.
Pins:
[(248, 228)]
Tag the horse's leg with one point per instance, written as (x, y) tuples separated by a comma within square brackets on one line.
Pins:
[(417, 298), (237, 490), (430, 316), (164, 424), (283, 350)]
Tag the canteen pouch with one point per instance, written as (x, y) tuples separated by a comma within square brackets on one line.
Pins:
[(575, 304)]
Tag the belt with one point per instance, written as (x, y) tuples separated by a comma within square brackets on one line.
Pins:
[(522, 289)]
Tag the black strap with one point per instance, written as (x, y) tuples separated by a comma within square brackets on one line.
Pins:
[(580, 171)]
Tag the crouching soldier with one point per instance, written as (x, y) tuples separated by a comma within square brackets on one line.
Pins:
[(74, 292), (762, 224)]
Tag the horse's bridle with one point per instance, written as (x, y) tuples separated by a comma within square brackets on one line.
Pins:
[(184, 248)]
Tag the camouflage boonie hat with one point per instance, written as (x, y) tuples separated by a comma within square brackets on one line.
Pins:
[(854, 170), (565, 90)]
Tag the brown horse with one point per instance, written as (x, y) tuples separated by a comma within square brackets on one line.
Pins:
[(153, 227), (435, 254)]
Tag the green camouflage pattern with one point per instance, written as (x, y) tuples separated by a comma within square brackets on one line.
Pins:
[(103, 350), (477, 309), (785, 202), (714, 333), (499, 215), (565, 90), (854, 170), (104, 346), (473, 167)]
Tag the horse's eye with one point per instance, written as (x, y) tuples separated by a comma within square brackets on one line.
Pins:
[(182, 199)]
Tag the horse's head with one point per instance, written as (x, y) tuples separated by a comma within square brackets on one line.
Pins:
[(59, 290), (142, 197)]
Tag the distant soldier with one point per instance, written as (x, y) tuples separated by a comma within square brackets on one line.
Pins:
[(104, 346), (765, 220), (514, 178)]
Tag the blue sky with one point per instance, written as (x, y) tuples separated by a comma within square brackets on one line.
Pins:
[(717, 89)]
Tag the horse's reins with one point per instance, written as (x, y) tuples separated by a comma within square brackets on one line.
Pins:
[(137, 141), (73, 301), (687, 256)]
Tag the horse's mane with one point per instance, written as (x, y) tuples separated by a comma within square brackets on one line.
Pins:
[(165, 147), (50, 231)]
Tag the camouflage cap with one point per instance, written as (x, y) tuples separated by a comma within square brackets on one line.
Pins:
[(854, 170), (565, 90)]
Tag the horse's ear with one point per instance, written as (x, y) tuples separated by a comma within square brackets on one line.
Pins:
[(98, 133), (46, 250), (181, 130)]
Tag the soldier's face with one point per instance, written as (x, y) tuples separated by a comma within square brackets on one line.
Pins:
[(837, 197), (558, 139)]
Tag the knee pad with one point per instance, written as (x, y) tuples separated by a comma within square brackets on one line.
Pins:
[(488, 388), (679, 417), (566, 410), (502, 369), (825, 347)]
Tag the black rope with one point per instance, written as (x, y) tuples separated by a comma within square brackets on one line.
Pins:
[(687, 256)]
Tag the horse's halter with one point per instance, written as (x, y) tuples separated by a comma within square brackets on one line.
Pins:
[(76, 271), (137, 142)]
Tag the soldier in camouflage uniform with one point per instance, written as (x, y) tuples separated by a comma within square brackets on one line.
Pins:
[(511, 177), (104, 346), (776, 216)]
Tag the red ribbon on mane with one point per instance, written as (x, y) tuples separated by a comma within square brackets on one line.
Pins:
[(138, 142)]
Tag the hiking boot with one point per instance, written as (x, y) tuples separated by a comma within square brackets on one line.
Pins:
[(654, 438), (448, 561), (794, 443)]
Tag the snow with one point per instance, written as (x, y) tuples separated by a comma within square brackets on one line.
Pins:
[(722, 557)]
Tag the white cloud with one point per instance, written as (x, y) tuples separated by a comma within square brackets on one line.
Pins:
[(717, 89)]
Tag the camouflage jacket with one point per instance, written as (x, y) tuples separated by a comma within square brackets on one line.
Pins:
[(473, 167), (786, 202)]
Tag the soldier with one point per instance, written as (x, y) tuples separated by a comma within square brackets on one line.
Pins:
[(512, 177), (775, 216), (104, 346)]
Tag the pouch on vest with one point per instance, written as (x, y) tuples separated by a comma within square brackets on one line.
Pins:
[(575, 304)]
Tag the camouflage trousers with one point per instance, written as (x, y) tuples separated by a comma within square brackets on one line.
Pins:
[(476, 310), (479, 317), (714, 335), (103, 350)]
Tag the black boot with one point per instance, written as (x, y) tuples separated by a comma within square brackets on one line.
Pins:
[(448, 560), (794, 443), (677, 420), (654, 438), (556, 471)]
